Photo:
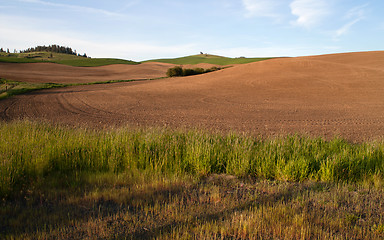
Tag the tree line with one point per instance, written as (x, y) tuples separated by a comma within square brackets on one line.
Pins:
[(51, 48), (2, 50)]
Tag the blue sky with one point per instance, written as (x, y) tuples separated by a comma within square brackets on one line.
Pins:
[(148, 29)]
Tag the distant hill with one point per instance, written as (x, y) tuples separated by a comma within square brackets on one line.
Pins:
[(61, 58), (208, 58), (81, 61)]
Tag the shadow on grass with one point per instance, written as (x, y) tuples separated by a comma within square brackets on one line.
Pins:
[(220, 215), (31, 211), (31, 214)]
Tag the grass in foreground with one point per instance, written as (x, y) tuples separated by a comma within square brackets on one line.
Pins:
[(60, 58), (59, 182), (216, 207), (206, 58)]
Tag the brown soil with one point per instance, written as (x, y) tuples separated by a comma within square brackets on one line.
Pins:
[(58, 73), (328, 95)]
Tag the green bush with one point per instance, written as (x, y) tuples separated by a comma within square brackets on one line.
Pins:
[(188, 72), (199, 70), (212, 69), (175, 72), (179, 71)]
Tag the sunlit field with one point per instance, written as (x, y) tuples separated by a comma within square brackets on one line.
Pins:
[(133, 183)]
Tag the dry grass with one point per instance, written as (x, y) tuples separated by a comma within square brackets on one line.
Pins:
[(215, 207), (64, 183)]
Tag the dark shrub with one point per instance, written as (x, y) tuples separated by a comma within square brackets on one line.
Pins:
[(188, 72), (199, 70), (212, 69), (175, 72), (179, 71)]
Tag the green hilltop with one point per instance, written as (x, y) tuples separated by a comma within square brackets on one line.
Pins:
[(208, 58), (60, 58), (81, 61)]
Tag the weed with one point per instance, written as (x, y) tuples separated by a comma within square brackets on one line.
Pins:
[(31, 151), (70, 183)]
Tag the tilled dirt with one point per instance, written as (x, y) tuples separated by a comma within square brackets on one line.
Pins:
[(58, 73), (329, 95)]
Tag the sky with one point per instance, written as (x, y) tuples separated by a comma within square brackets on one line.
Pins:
[(149, 29)]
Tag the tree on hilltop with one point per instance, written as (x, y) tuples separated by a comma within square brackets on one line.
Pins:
[(53, 49)]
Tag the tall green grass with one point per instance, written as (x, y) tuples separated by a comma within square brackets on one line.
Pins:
[(31, 152)]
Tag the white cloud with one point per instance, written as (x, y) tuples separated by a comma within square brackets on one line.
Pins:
[(345, 29), (309, 12), (356, 12), (260, 8), (75, 8), (353, 16), (129, 4), (15, 34)]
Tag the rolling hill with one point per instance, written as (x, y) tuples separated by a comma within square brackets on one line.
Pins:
[(61, 58), (78, 61), (207, 58), (325, 95), (46, 72)]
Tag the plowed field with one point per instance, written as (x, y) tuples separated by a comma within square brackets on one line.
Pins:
[(340, 94), (58, 73)]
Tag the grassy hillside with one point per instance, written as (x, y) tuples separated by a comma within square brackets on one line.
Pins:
[(67, 183), (207, 58), (77, 61), (60, 58)]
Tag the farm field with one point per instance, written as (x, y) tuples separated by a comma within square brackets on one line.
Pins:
[(327, 96), (67, 71), (63, 74), (286, 148)]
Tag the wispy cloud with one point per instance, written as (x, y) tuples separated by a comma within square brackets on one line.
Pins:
[(15, 30), (345, 29), (353, 16), (260, 8), (309, 12), (75, 8), (128, 5)]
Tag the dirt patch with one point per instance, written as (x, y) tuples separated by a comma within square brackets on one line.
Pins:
[(320, 96), (58, 73)]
